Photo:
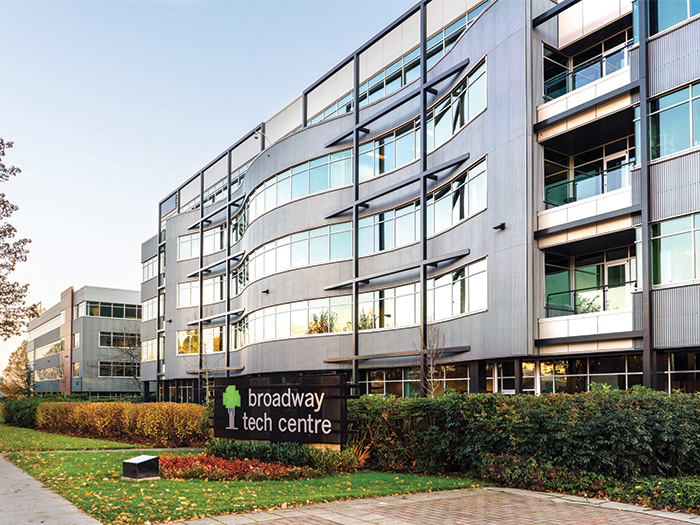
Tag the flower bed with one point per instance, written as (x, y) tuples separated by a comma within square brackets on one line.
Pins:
[(204, 466)]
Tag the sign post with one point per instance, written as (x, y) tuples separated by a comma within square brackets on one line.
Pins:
[(283, 407)]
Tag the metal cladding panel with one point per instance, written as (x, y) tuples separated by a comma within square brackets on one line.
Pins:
[(637, 305), (149, 248), (636, 187), (676, 314), (634, 64), (675, 187), (674, 58)]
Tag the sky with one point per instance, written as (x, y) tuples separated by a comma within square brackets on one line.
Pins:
[(113, 104)]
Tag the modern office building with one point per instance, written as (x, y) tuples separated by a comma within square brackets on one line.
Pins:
[(88, 343), (488, 196)]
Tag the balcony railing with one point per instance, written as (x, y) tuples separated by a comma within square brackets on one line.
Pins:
[(590, 71), (586, 185), (590, 300)]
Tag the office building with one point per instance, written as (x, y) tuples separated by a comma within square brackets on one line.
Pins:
[(498, 196), (87, 343)]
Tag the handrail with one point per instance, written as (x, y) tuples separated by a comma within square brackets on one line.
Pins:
[(571, 195), (600, 59), (576, 308)]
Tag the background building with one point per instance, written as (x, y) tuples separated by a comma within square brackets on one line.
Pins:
[(513, 208), (87, 343)]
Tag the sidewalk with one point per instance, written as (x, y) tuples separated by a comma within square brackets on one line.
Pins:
[(25, 500), (485, 506)]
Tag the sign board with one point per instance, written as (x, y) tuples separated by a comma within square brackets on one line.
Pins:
[(282, 407)]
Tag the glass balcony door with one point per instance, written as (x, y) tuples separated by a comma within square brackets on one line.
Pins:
[(617, 285), (617, 173)]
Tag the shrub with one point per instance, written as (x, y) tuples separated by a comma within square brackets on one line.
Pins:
[(625, 434), (218, 469), (151, 424), (532, 474), (288, 453), (21, 411)]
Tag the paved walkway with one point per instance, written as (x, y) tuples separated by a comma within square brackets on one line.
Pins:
[(485, 506), (23, 499)]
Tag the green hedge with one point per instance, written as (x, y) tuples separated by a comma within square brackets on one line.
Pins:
[(293, 454), (21, 411), (674, 494), (625, 434)]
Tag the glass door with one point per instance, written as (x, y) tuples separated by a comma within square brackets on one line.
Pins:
[(617, 289), (617, 174)]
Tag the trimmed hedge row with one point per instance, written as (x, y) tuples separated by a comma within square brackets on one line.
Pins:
[(151, 424), (295, 454), (674, 494), (623, 434)]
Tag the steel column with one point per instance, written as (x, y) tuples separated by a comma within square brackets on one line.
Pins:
[(648, 355), (423, 206)]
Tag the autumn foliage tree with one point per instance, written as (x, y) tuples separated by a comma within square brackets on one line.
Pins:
[(16, 381), (13, 310)]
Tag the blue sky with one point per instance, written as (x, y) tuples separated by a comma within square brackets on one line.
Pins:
[(111, 104)]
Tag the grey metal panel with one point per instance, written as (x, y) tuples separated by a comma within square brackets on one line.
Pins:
[(636, 186), (149, 248), (149, 289), (674, 58), (675, 186), (634, 64), (638, 321), (676, 314), (47, 315)]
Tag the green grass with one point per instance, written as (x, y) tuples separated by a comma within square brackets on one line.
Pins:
[(92, 481), (14, 439)]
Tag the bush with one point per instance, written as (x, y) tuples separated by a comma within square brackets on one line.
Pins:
[(151, 424), (624, 434), (296, 454), (532, 474), (21, 411), (218, 469)]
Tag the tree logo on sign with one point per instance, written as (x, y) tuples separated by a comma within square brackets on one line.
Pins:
[(232, 399)]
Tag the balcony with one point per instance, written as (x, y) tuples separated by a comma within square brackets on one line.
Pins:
[(586, 185), (589, 286), (615, 296), (601, 66)]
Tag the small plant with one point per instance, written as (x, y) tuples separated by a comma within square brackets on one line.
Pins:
[(205, 466)]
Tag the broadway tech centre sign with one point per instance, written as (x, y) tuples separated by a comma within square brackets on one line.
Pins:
[(282, 407)]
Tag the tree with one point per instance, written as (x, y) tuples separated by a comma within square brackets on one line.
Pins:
[(434, 351), (17, 378), (14, 313)]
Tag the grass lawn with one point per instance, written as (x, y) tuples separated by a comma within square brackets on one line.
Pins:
[(92, 481), (14, 439)]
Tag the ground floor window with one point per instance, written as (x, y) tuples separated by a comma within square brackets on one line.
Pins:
[(577, 374), (405, 382), (679, 371)]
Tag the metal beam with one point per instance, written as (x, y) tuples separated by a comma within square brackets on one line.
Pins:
[(592, 338), (554, 11), (365, 279), (237, 312), (389, 355), (401, 101), (224, 369), (401, 184), (234, 257)]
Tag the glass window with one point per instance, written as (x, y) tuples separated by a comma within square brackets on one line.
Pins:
[(675, 250), (341, 245)]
